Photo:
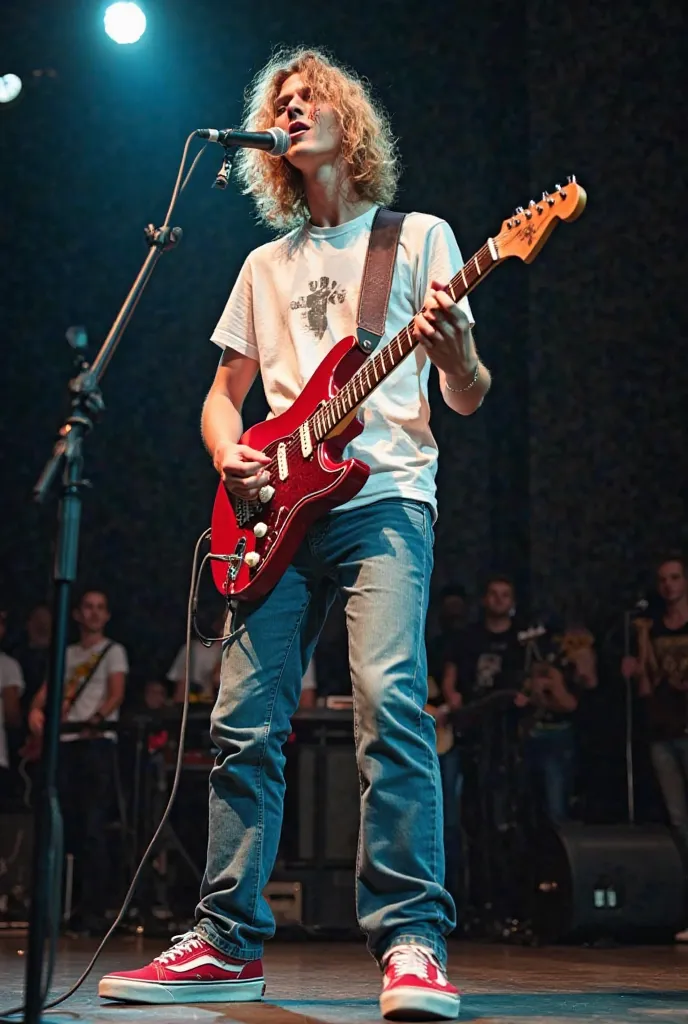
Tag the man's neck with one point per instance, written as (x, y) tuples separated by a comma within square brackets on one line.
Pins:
[(497, 624), (91, 639), (676, 614), (331, 198)]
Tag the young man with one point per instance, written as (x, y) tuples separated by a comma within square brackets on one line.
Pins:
[(487, 654), (661, 671), (294, 298), (11, 689), (95, 679)]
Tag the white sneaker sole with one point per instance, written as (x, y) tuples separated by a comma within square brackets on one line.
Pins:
[(410, 1004), (181, 991)]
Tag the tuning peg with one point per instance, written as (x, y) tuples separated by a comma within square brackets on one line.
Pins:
[(545, 194), (558, 188), (531, 203), (571, 179)]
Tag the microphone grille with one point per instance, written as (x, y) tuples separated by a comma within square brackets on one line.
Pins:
[(282, 141)]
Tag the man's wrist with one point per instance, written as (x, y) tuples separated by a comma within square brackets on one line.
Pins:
[(463, 379)]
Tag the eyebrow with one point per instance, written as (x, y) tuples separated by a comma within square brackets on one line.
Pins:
[(286, 96)]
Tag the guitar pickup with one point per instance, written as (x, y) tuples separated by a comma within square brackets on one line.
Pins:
[(282, 465), (305, 438)]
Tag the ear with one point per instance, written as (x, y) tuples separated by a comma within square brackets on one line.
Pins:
[(76, 615)]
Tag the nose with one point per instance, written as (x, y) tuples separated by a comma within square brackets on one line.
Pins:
[(295, 109)]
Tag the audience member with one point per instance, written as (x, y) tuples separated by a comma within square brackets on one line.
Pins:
[(95, 679), (553, 686), (205, 668), (11, 689), (32, 652), (661, 671)]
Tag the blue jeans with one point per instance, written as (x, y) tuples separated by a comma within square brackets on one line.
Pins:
[(551, 759), (380, 559), (670, 762)]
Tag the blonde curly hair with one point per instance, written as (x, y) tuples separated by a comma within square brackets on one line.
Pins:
[(368, 146)]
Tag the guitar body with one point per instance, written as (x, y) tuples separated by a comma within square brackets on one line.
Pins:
[(312, 486)]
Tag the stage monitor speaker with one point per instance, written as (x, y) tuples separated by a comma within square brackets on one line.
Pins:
[(607, 881)]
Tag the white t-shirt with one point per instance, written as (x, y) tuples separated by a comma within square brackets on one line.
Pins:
[(77, 664), (297, 296), (310, 680), (204, 661), (10, 675)]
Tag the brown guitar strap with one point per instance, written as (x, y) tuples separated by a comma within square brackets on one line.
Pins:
[(377, 277)]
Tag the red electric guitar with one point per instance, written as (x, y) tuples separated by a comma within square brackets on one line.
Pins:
[(253, 542)]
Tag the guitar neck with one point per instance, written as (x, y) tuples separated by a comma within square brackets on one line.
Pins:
[(386, 359)]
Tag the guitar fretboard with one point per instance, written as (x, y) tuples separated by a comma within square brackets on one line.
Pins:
[(380, 365)]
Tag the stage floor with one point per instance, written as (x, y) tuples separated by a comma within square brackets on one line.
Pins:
[(337, 983)]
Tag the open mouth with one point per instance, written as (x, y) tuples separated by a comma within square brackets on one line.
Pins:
[(298, 128)]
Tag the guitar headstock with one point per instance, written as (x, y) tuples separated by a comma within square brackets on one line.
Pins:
[(526, 231)]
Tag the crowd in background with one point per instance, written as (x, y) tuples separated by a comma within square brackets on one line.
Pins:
[(514, 696)]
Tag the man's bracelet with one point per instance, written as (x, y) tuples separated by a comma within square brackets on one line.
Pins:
[(474, 381)]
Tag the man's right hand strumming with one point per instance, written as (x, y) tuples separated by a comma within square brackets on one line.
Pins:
[(242, 469)]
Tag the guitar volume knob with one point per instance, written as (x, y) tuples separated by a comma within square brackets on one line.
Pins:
[(260, 529), (265, 494), (252, 558)]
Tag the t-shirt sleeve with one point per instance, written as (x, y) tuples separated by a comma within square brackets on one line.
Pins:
[(309, 681), (117, 660), (178, 666), (441, 260), (235, 328), (11, 674)]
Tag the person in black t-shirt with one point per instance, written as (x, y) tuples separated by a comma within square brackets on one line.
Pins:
[(661, 670), (487, 655)]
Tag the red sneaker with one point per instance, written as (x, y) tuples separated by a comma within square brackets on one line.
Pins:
[(414, 986), (191, 971)]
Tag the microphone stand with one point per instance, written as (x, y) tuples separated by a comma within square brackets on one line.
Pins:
[(67, 460)]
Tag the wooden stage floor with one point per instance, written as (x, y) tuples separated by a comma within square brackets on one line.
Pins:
[(318, 982)]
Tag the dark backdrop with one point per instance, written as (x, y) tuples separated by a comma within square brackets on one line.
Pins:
[(573, 475)]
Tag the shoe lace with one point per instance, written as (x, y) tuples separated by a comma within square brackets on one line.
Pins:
[(181, 944), (410, 960)]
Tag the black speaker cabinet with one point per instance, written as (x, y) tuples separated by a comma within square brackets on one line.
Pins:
[(616, 881)]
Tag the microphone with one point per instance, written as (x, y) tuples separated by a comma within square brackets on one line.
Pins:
[(274, 141)]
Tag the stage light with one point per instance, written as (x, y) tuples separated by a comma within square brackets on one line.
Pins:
[(10, 87), (125, 22)]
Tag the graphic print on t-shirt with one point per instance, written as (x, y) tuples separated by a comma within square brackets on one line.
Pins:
[(488, 668), (672, 657), (314, 305)]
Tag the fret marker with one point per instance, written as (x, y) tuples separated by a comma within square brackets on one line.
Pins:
[(463, 278), (477, 265)]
